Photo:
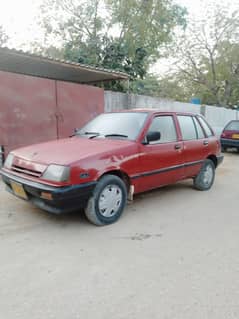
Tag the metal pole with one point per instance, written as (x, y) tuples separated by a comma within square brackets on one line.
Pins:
[(1, 155)]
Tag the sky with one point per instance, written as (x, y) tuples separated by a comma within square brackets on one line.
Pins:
[(19, 17)]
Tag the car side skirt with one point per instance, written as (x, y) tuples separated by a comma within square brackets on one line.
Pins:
[(167, 169)]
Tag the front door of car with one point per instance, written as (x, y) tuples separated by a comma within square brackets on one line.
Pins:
[(161, 161)]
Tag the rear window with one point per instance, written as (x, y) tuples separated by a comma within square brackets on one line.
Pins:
[(205, 126), (232, 126), (199, 129)]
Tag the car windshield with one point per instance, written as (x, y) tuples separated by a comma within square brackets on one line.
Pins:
[(115, 125), (233, 126)]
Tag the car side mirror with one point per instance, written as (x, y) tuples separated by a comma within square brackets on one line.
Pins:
[(152, 137)]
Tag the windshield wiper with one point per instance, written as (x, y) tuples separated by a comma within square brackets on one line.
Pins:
[(94, 134), (117, 135)]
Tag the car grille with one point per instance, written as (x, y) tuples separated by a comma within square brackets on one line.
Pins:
[(26, 171)]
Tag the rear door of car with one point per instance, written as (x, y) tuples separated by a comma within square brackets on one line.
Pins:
[(195, 143), (161, 161), (212, 141)]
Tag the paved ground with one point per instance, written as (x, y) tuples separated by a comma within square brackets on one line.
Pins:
[(174, 254)]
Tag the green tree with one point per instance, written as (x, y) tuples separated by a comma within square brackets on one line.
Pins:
[(121, 35), (146, 24), (207, 58)]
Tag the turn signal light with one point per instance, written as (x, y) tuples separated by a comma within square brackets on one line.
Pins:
[(47, 196)]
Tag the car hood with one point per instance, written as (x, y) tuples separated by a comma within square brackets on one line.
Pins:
[(69, 150)]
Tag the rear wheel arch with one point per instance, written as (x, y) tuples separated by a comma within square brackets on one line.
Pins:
[(213, 158)]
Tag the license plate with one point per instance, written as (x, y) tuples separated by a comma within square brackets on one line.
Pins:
[(18, 190), (235, 136)]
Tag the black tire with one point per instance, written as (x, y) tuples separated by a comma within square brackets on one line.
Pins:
[(202, 181), (106, 184)]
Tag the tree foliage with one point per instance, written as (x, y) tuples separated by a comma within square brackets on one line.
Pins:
[(124, 35), (207, 58)]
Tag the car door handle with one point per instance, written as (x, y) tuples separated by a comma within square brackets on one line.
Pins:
[(177, 147), (205, 142)]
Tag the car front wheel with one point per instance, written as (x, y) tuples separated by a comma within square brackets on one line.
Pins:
[(107, 202), (204, 180)]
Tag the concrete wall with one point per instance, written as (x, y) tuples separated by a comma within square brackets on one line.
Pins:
[(115, 101), (118, 101), (216, 116)]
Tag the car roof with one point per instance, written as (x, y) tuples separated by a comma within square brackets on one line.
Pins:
[(225, 127), (154, 111), (232, 121)]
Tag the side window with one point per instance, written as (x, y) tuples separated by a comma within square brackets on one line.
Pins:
[(205, 126), (199, 129), (187, 127), (165, 125)]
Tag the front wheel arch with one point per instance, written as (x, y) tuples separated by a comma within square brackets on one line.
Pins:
[(121, 174)]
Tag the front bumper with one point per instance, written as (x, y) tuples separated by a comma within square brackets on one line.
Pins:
[(226, 142), (64, 199)]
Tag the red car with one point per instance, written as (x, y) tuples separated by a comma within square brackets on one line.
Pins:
[(111, 158), (230, 136)]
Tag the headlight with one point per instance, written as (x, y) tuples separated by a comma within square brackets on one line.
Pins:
[(9, 161), (57, 173)]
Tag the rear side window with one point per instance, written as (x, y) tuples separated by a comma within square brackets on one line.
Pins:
[(205, 126), (165, 125), (232, 126), (200, 133), (187, 127)]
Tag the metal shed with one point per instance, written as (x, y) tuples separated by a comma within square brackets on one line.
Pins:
[(42, 98)]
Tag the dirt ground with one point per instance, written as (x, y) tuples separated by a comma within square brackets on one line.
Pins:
[(174, 254)]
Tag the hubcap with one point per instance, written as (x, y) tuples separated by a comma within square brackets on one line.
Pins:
[(110, 200), (208, 175)]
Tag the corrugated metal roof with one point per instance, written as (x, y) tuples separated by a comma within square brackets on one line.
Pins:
[(22, 62)]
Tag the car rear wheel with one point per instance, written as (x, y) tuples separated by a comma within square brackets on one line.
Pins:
[(108, 201), (204, 180)]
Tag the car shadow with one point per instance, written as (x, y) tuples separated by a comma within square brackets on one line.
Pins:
[(179, 187), (64, 218), (40, 217), (232, 151)]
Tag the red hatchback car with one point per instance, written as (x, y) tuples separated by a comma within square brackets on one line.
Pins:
[(230, 136), (111, 158)]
